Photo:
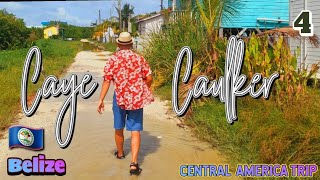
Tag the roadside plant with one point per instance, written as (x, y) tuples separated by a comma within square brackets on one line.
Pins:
[(211, 13), (161, 49), (266, 52), (266, 58)]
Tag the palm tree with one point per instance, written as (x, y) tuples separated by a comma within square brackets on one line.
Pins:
[(212, 13), (126, 12)]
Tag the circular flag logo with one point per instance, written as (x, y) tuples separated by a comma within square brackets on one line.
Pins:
[(25, 137)]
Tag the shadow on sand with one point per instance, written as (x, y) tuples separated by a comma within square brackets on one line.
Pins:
[(149, 144)]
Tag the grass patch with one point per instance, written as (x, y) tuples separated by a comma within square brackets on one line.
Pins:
[(56, 56), (110, 46), (164, 92), (264, 133)]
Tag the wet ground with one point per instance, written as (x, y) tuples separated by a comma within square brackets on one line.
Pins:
[(164, 146)]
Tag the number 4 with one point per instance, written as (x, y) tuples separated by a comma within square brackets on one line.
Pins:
[(306, 27)]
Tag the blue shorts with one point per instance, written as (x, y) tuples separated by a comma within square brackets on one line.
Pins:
[(132, 119)]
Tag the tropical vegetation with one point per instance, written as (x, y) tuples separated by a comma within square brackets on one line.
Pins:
[(13, 32), (70, 31), (283, 129), (127, 11)]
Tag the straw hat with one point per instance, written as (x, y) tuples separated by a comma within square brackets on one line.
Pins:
[(124, 38)]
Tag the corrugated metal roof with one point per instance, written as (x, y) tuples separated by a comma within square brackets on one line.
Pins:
[(151, 17)]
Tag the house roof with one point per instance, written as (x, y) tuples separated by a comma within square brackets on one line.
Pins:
[(139, 16), (51, 26), (148, 18)]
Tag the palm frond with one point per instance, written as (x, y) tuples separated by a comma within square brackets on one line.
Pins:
[(289, 31), (213, 12)]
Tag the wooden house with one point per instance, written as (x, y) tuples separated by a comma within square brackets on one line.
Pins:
[(308, 54), (50, 31), (151, 24), (252, 15)]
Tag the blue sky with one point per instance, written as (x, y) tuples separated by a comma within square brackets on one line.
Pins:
[(80, 13)]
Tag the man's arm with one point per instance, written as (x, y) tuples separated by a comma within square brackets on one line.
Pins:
[(104, 91), (147, 73), (149, 80)]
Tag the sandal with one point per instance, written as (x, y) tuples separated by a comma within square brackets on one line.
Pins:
[(136, 171), (116, 154)]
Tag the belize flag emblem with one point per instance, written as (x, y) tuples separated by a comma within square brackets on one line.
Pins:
[(26, 137)]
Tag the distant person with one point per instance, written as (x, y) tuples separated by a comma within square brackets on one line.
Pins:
[(132, 79)]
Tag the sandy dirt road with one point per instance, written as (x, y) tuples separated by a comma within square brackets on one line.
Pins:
[(164, 146)]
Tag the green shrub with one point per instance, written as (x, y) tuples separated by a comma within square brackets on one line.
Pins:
[(55, 37), (161, 49), (261, 58), (13, 32)]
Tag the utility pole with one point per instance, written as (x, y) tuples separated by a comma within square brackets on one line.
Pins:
[(99, 17), (161, 4), (110, 15), (120, 19), (129, 22)]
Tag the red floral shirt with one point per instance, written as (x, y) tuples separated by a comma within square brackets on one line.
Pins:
[(127, 70)]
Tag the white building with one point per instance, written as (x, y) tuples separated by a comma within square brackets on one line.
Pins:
[(308, 54), (150, 24)]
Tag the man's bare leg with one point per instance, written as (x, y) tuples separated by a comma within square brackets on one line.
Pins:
[(119, 138), (135, 146)]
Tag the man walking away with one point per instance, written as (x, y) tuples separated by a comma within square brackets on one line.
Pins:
[(132, 79)]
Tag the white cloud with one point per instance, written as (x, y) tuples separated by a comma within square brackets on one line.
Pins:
[(62, 14), (80, 13)]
